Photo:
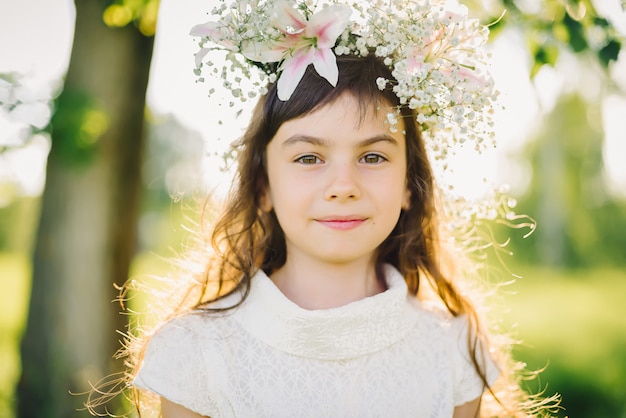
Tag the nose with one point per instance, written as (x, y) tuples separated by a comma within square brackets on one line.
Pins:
[(343, 183)]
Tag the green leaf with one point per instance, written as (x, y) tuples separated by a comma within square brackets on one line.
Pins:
[(543, 54), (602, 22), (609, 52), (577, 39)]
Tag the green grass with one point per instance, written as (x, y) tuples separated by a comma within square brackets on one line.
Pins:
[(15, 289), (573, 322)]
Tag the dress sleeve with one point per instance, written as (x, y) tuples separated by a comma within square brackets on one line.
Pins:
[(175, 367), (468, 385)]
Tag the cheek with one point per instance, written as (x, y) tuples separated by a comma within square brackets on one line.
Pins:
[(288, 190), (284, 188), (399, 192)]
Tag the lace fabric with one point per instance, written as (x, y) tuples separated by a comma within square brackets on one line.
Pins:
[(385, 355)]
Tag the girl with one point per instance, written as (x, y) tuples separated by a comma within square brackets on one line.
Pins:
[(328, 294)]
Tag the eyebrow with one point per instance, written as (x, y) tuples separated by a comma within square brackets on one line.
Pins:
[(320, 142)]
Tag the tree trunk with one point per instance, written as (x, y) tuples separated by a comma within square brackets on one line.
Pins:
[(86, 236)]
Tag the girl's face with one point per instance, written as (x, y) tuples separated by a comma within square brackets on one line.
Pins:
[(336, 183)]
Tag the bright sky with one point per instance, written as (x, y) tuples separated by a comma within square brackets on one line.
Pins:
[(35, 39)]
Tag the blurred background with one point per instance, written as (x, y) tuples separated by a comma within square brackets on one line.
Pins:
[(107, 139)]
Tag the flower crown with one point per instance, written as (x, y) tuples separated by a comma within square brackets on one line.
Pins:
[(434, 54)]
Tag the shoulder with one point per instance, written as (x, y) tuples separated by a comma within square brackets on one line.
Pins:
[(453, 332), (196, 327), (438, 317), (438, 335), (458, 348), (173, 347), (184, 361), (434, 319), (186, 328)]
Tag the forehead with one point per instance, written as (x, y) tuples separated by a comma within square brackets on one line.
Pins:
[(343, 119)]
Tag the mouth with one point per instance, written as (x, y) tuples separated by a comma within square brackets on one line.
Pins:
[(342, 223)]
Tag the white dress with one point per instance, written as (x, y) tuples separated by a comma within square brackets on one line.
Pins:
[(383, 356)]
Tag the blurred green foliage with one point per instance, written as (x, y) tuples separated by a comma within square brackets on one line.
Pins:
[(76, 126), (579, 223), (142, 12), (553, 26), (18, 224)]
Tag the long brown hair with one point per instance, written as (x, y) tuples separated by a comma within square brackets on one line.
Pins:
[(245, 238)]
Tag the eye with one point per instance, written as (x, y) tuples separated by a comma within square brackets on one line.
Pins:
[(372, 159), (308, 159)]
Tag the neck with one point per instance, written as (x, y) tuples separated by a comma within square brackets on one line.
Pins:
[(316, 285)]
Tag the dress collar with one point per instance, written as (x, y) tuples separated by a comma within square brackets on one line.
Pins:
[(348, 331)]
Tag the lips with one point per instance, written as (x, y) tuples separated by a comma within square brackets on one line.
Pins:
[(342, 223)]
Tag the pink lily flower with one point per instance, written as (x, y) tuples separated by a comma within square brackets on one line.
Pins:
[(217, 32), (303, 42)]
